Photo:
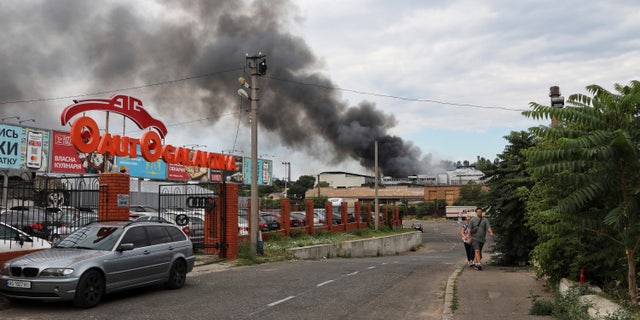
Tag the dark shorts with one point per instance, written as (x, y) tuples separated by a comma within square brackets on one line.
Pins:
[(477, 245)]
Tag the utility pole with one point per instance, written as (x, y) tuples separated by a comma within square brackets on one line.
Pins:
[(287, 166), (258, 66), (376, 187), (557, 101)]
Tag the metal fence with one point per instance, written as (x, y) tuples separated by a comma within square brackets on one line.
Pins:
[(49, 207)]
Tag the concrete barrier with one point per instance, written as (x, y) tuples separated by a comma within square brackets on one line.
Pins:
[(599, 307), (372, 247)]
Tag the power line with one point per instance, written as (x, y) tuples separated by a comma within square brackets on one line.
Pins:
[(121, 89), (375, 94), (383, 95)]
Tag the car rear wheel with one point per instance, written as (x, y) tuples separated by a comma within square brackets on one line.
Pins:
[(90, 289), (177, 275)]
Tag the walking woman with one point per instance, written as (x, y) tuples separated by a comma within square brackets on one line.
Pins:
[(466, 239)]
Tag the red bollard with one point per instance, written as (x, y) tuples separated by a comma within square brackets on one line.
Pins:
[(581, 275)]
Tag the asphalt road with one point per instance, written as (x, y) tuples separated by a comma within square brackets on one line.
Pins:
[(406, 286)]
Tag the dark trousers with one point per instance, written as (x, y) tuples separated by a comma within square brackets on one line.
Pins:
[(469, 249)]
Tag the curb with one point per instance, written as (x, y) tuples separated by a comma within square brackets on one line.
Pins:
[(447, 313)]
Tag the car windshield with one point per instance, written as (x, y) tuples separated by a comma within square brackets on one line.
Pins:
[(94, 237)]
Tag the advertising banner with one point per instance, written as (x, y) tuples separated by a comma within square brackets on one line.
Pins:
[(138, 167), (184, 173), (67, 159), (24, 148), (235, 176), (265, 169)]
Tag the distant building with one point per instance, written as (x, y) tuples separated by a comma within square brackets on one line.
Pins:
[(341, 179), (422, 187)]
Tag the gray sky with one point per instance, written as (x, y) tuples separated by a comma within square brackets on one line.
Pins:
[(432, 81)]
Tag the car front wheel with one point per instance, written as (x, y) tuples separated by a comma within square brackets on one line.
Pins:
[(90, 289), (177, 275)]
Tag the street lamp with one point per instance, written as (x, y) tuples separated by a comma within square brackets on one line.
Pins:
[(258, 66), (287, 165)]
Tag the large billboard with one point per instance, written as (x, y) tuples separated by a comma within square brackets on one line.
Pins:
[(265, 170), (140, 168), (24, 148)]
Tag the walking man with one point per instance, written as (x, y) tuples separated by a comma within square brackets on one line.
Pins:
[(479, 228)]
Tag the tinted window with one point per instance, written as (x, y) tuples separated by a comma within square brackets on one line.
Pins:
[(176, 234), (97, 237), (137, 236), (158, 235), (7, 233)]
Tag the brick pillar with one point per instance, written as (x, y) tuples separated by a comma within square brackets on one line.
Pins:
[(343, 214), (112, 185), (285, 216), (356, 208), (367, 208), (328, 213), (308, 208), (385, 214), (231, 219)]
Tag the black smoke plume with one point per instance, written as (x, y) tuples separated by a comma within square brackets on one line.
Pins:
[(123, 46)]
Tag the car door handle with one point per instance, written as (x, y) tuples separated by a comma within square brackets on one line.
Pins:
[(171, 248), (146, 252)]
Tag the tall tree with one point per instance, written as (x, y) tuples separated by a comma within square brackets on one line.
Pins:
[(298, 188), (596, 139), (509, 186)]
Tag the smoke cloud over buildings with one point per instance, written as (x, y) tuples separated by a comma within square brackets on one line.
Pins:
[(125, 45)]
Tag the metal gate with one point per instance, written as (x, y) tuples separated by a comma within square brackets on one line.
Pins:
[(199, 203), (48, 207)]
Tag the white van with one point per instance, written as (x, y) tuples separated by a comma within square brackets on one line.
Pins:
[(13, 240)]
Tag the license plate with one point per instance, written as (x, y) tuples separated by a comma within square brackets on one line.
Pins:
[(19, 284)]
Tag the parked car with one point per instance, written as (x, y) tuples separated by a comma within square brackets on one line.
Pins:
[(143, 210), (33, 220), (14, 240), (66, 229), (99, 259), (298, 218), (194, 227), (243, 226), (269, 223), (318, 217), (336, 218)]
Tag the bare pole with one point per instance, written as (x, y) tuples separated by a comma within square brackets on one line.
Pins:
[(376, 187), (256, 70), (254, 155)]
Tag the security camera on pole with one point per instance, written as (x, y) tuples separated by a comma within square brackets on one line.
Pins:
[(258, 66)]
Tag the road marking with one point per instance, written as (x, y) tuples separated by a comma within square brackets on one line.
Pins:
[(370, 268), (323, 283), (280, 301), (351, 274)]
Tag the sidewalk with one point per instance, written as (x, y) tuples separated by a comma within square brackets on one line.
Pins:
[(494, 293)]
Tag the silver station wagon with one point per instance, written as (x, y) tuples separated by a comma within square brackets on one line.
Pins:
[(99, 259)]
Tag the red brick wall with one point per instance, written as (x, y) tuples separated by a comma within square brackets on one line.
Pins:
[(285, 216), (111, 185), (231, 223), (309, 214)]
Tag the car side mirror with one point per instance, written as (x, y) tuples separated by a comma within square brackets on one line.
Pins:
[(125, 246)]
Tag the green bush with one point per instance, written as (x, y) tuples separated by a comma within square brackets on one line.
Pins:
[(296, 233), (569, 307)]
